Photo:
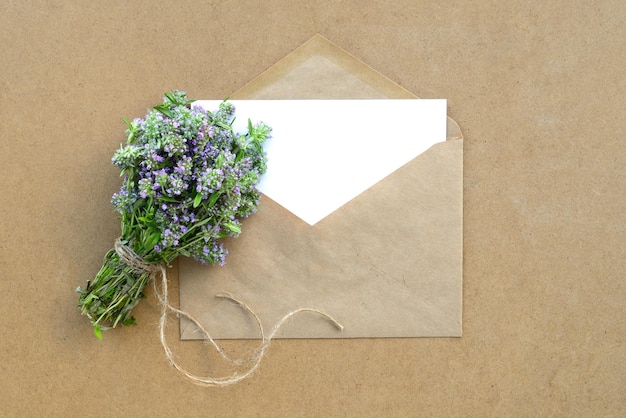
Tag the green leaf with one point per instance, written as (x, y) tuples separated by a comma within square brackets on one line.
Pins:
[(213, 198), (220, 160), (197, 200), (139, 203), (202, 222), (171, 98), (129, 321), (240, 155), (97, 330), (153, 240), (165, 110), (222, 125), (89, 298), (233, 227)]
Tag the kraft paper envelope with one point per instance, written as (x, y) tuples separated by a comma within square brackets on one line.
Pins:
[(386, 264)]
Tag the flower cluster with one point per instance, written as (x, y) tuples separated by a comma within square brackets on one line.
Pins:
[(189, 179)]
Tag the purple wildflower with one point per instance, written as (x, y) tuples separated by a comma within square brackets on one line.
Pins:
[(188, 169)]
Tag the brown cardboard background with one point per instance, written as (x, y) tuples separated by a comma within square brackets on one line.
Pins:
[(537, 88)]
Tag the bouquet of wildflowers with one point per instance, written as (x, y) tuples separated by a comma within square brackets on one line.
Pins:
[(188, 181)]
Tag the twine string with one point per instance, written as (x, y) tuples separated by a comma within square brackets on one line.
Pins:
[(129, 257)]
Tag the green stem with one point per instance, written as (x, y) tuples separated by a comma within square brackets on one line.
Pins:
[(114, 292)]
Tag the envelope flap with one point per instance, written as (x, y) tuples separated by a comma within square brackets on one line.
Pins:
[(319, 69)]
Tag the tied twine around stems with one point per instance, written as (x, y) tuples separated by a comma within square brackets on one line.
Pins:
[(133, 260)]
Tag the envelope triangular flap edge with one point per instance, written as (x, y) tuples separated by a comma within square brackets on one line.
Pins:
[(323, 153)]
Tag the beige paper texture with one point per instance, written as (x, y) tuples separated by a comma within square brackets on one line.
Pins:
[(387, 264)]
